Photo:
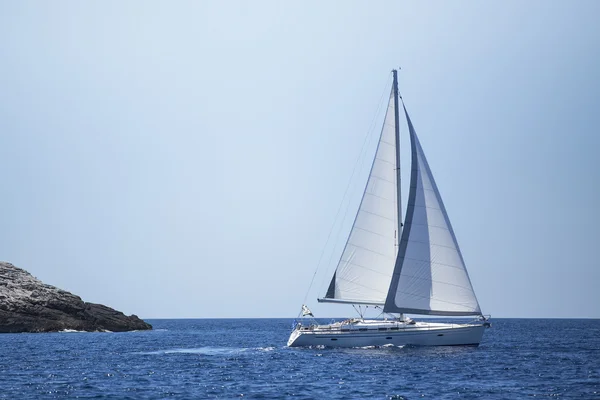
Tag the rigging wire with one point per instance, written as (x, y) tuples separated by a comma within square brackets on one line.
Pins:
[(335, 221)]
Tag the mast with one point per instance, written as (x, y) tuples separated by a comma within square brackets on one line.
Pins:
[(398, 178)]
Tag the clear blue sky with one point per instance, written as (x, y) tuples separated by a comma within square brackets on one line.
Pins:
[(187, 159)]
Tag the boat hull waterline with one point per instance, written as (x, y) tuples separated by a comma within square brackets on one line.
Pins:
[(419, 334)]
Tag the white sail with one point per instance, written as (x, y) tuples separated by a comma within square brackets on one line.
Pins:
[(365, 268), (430, 276)]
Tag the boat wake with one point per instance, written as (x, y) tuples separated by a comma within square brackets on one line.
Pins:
[(209, 351)]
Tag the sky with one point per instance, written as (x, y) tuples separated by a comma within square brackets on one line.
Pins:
[(187, 159)]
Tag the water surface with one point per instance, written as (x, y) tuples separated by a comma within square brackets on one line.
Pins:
[(233, 358)]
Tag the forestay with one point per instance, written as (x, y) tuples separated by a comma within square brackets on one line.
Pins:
[(430, 276)]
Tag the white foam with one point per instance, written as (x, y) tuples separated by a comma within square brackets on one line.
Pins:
[(383, 346), (209, 350), (198, 350)]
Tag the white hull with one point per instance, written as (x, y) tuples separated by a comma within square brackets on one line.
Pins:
[(380, 333)]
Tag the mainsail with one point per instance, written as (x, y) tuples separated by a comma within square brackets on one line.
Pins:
[(364, 271), (430, 276)]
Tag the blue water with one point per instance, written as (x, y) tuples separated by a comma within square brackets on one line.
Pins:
[(232, 358)]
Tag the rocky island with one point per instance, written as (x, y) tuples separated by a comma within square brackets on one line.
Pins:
[(29, 305)]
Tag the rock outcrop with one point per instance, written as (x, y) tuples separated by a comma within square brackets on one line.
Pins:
[(29, 305)]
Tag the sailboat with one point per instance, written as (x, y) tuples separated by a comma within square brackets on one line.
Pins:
[(423, 274)]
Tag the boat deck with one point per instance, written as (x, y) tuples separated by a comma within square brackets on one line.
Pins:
[(354, 325)]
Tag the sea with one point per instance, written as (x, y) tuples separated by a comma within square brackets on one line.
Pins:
[(248, 358)]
